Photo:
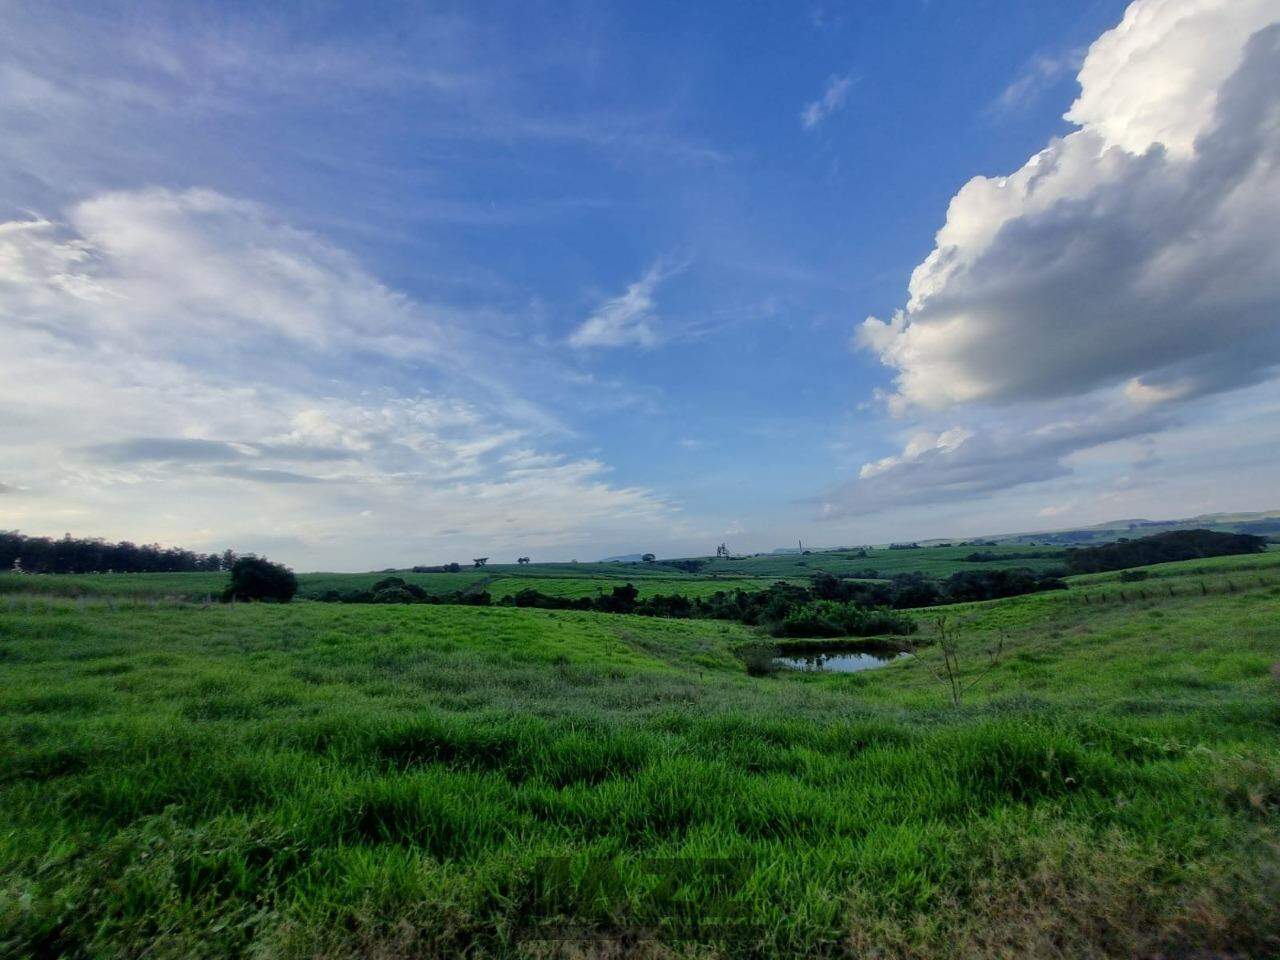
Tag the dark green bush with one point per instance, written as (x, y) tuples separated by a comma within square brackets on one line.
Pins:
[(257, 578), (829, 618)]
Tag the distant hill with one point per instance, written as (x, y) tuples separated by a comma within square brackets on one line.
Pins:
[(1264, 523)]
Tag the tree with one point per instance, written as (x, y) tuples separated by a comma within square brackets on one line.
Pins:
[(480, 561), (257, 578), (621, 600), (522, 560), (949, 675), (648, 558)]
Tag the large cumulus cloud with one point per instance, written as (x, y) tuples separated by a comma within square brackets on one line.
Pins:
[(1112, 255), (1135, 260)]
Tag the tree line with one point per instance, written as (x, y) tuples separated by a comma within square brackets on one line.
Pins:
[(1161, 548), (85, 555)]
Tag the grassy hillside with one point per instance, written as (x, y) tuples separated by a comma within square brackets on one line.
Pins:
[(320, 780), (1244, 564)]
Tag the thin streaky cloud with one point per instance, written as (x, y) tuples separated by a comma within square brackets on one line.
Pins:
[(832, 100)]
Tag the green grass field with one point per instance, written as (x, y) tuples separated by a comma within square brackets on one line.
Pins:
[(930, 561), (179, 585), (318, 780)]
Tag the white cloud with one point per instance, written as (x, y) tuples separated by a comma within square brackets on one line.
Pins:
[(1128, 269), (1054, 510), (963, 464), (918, 446), (1159, 75), (1140, 246), (833, 98), (178, 362), (626, 320)]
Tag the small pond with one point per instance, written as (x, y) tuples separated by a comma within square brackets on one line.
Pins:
[(840, 662)]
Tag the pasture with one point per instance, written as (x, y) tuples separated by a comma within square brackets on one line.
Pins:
[(929, 561), (319, 780)]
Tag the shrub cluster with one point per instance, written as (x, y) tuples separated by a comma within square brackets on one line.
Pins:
[(914, 590), (986, 556), (829, 607), (257, 578), (784, 609), (830, 618), (397, 590)]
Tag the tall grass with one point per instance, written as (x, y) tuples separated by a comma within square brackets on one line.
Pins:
[(323, 780)]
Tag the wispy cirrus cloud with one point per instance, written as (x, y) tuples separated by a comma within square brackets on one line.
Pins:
[(185, 360), (629, 319), (832, 100), (1036, 77)]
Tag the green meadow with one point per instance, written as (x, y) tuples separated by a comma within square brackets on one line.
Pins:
[(930, 561), (320, 780)]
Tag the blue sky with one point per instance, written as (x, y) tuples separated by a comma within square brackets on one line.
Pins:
[(577, 279)]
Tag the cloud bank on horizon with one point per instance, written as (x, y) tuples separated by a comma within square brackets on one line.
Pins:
[(1127, 270)]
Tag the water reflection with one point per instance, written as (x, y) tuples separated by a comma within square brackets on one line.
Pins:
[(841, 662)]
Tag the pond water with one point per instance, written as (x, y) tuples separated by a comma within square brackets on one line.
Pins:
[(841, 662)]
